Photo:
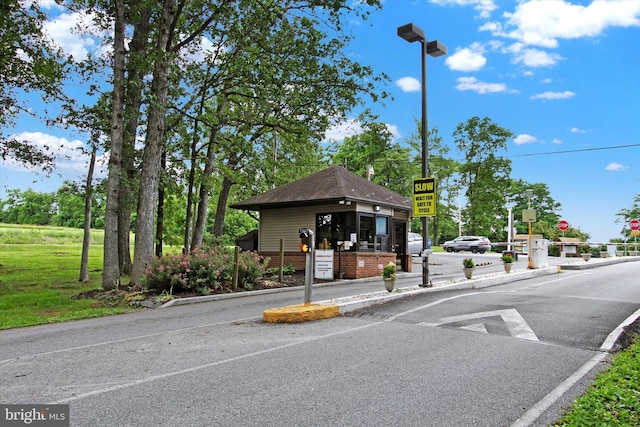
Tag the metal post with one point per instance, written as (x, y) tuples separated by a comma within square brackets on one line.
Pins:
[(308, 271), (425, 165), (413, 33), (530, 249), (510, 231)]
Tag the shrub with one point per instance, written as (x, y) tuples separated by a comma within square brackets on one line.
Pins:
[(202, 270), (287, 270), (389, 271), (507, 258)]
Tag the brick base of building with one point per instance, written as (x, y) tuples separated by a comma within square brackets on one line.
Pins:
[(354, 265)]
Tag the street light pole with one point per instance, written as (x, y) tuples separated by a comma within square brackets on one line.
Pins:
[(529, 193), (412, 33)]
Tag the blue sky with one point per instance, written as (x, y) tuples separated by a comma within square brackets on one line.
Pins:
[(561, 75)]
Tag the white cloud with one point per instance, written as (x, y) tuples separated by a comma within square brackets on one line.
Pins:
[(65, 31), (394, 131), (484, 7), (408, 84), (554, 95), (542, 23), (556, 141), (467, 59), (471, 83), (524, 138), (546, 81), (69, 157), (614, 166), (578, 130), (46, 4), (536, 58), (339, 130)]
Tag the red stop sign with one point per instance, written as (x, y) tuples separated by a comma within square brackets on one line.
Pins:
[(634, 224), (563, 225)]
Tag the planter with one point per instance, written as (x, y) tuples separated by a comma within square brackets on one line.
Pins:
[(389, 284), (507, 267), (604, 254), (619, 253), (586, 257), (468, 272)]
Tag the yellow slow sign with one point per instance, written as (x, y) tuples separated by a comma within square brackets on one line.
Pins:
[(424, 197)]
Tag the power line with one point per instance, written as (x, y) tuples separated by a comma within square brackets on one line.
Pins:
[(575, 151)]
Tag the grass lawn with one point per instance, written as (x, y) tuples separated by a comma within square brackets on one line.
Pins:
[(39, 271)]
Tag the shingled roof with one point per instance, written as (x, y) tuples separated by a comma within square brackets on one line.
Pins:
[(329, 185)]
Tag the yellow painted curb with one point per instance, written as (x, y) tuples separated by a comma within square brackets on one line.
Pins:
[(300, 313)]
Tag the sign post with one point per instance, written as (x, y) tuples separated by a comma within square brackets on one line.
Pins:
[(562, 226), (634, 225)]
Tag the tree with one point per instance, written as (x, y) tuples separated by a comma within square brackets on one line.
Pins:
[(374, 148), (273, 87), (442, 168), (28, 63), (541, 201), (484, 174), (86, 236), (111, 260), (625, 215), (27, 207), (271, 61)]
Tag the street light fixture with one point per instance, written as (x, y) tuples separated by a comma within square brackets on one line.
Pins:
[(412, 33)]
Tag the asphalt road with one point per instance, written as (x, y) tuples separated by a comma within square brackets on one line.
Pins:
[(513, 354)]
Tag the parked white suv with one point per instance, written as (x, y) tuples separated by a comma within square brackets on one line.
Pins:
[(475, 244)]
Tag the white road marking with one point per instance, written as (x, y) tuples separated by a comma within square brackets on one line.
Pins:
[(536, 410), (518, 327)]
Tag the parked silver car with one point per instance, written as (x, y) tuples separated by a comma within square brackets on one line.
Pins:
[(414, 246), (475, 244)]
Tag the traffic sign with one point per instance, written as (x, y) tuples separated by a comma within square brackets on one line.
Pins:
[(634, 224), (424, 197), (563, 225)]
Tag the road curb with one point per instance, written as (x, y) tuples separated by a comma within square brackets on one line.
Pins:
[(335, 307), (300, 313), (356, 302)]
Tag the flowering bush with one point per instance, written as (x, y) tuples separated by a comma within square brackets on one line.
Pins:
[(202, 271)]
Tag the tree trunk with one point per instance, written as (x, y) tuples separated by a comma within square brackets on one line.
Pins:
[(192, 173), (205, 185), (111, 270), (135, 83), (205, 188), (150, 176), (223, 198), (86, 237), (160, 219)]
